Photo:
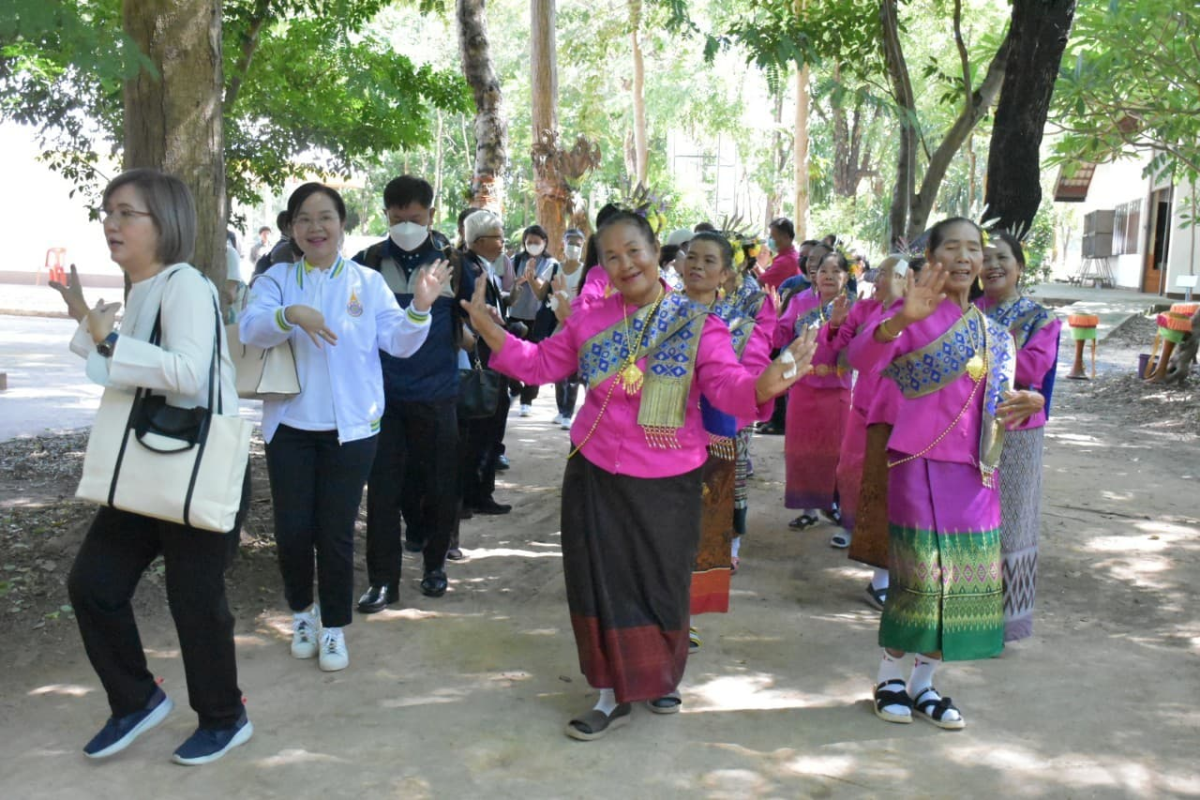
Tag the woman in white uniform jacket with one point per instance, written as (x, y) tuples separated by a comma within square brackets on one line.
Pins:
[(337, 315)]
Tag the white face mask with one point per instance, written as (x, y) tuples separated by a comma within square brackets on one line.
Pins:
[(573, 252), (408, 236), (535, 250)]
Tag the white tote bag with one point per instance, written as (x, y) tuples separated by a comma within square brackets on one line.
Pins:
[(182, 465), (268, 374)]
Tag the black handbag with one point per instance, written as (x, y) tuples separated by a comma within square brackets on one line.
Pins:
[(478, 392)]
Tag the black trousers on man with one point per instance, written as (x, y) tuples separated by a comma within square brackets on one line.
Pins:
[(426, 432), (116, 551), (316, 488)]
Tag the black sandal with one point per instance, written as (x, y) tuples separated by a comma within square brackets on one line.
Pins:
[(885, 697), (935, 710), (667, 704), (803, 521), (596, 723)]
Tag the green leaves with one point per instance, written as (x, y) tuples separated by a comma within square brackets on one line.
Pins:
[(1130, 83), (319, 91)]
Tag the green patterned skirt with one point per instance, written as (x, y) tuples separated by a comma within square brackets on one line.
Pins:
[(947, 585)]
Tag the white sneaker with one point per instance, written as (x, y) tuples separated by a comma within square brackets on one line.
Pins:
[(304, 634), (566, 423), (334, 655), (557, 419), (526, 410)]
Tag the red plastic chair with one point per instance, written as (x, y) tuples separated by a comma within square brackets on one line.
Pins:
[(54, 266)]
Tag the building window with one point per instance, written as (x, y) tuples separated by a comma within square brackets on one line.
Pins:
[(1125, 227)]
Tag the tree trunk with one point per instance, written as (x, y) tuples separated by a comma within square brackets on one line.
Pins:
[(173, 121), (439, 158), (491, 130), (1180, 365), (779, 154), (902, 93), (980, 101), (1038, 36), (553, 193), (641, 151), (800, 147)]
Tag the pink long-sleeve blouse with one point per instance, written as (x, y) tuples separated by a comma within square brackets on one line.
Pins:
[(607, 425)]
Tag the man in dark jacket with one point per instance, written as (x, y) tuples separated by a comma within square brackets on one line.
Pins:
[(420, 420)]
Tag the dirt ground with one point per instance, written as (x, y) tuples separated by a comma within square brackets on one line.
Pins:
[(466, 696)]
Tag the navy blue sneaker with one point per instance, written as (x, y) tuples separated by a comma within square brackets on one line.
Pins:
[(207, 745), (119, 732)]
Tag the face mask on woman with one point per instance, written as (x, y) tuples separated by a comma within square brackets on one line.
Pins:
[(535, 250), (408, 236), (573, 252)]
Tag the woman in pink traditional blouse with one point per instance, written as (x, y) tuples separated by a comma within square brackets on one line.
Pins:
[(1035, 332), (631, 500), (819, 402)]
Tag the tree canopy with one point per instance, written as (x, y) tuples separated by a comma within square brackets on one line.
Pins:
[(311, 87)]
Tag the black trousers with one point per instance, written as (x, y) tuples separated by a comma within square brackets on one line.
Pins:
[(482, 446), (316, 488), (416, 440), (116, 551), (566, 394)]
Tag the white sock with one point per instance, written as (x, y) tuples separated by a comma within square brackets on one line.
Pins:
[(737, 545), (311, 615), (607, 702), (879, 581), (812, 512), (890, 669), (922, 679), (922, 674)]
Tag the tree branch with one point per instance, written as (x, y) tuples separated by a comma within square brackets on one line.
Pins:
[(952, 142), (962, 55), (262, 13)]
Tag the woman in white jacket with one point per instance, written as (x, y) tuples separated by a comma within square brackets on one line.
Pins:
[(150, 226), (337, 315)]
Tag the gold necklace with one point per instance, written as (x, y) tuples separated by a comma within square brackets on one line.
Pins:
[(630, 375)]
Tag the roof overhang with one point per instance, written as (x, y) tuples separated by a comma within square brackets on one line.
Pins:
[(1075, 188)]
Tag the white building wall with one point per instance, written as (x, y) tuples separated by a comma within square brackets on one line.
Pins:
[(1120, 182)]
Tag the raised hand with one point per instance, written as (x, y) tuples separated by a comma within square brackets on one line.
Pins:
[(525, 275), (312, 322), (430, 282), (102, 319), (783, 372), (923, 293), (1019, 406), (773, 294), (841, 310), (72, 295), (561, 302)]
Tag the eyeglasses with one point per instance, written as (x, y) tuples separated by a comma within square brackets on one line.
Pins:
[(490, 236), (123, 216)]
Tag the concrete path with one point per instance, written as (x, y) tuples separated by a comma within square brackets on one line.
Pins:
[(47, 389)]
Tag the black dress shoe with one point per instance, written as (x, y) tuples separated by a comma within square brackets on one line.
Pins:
[(502, 463), (413, 547), (454, 554), (490, 506), (377, 598), (434, 583)]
